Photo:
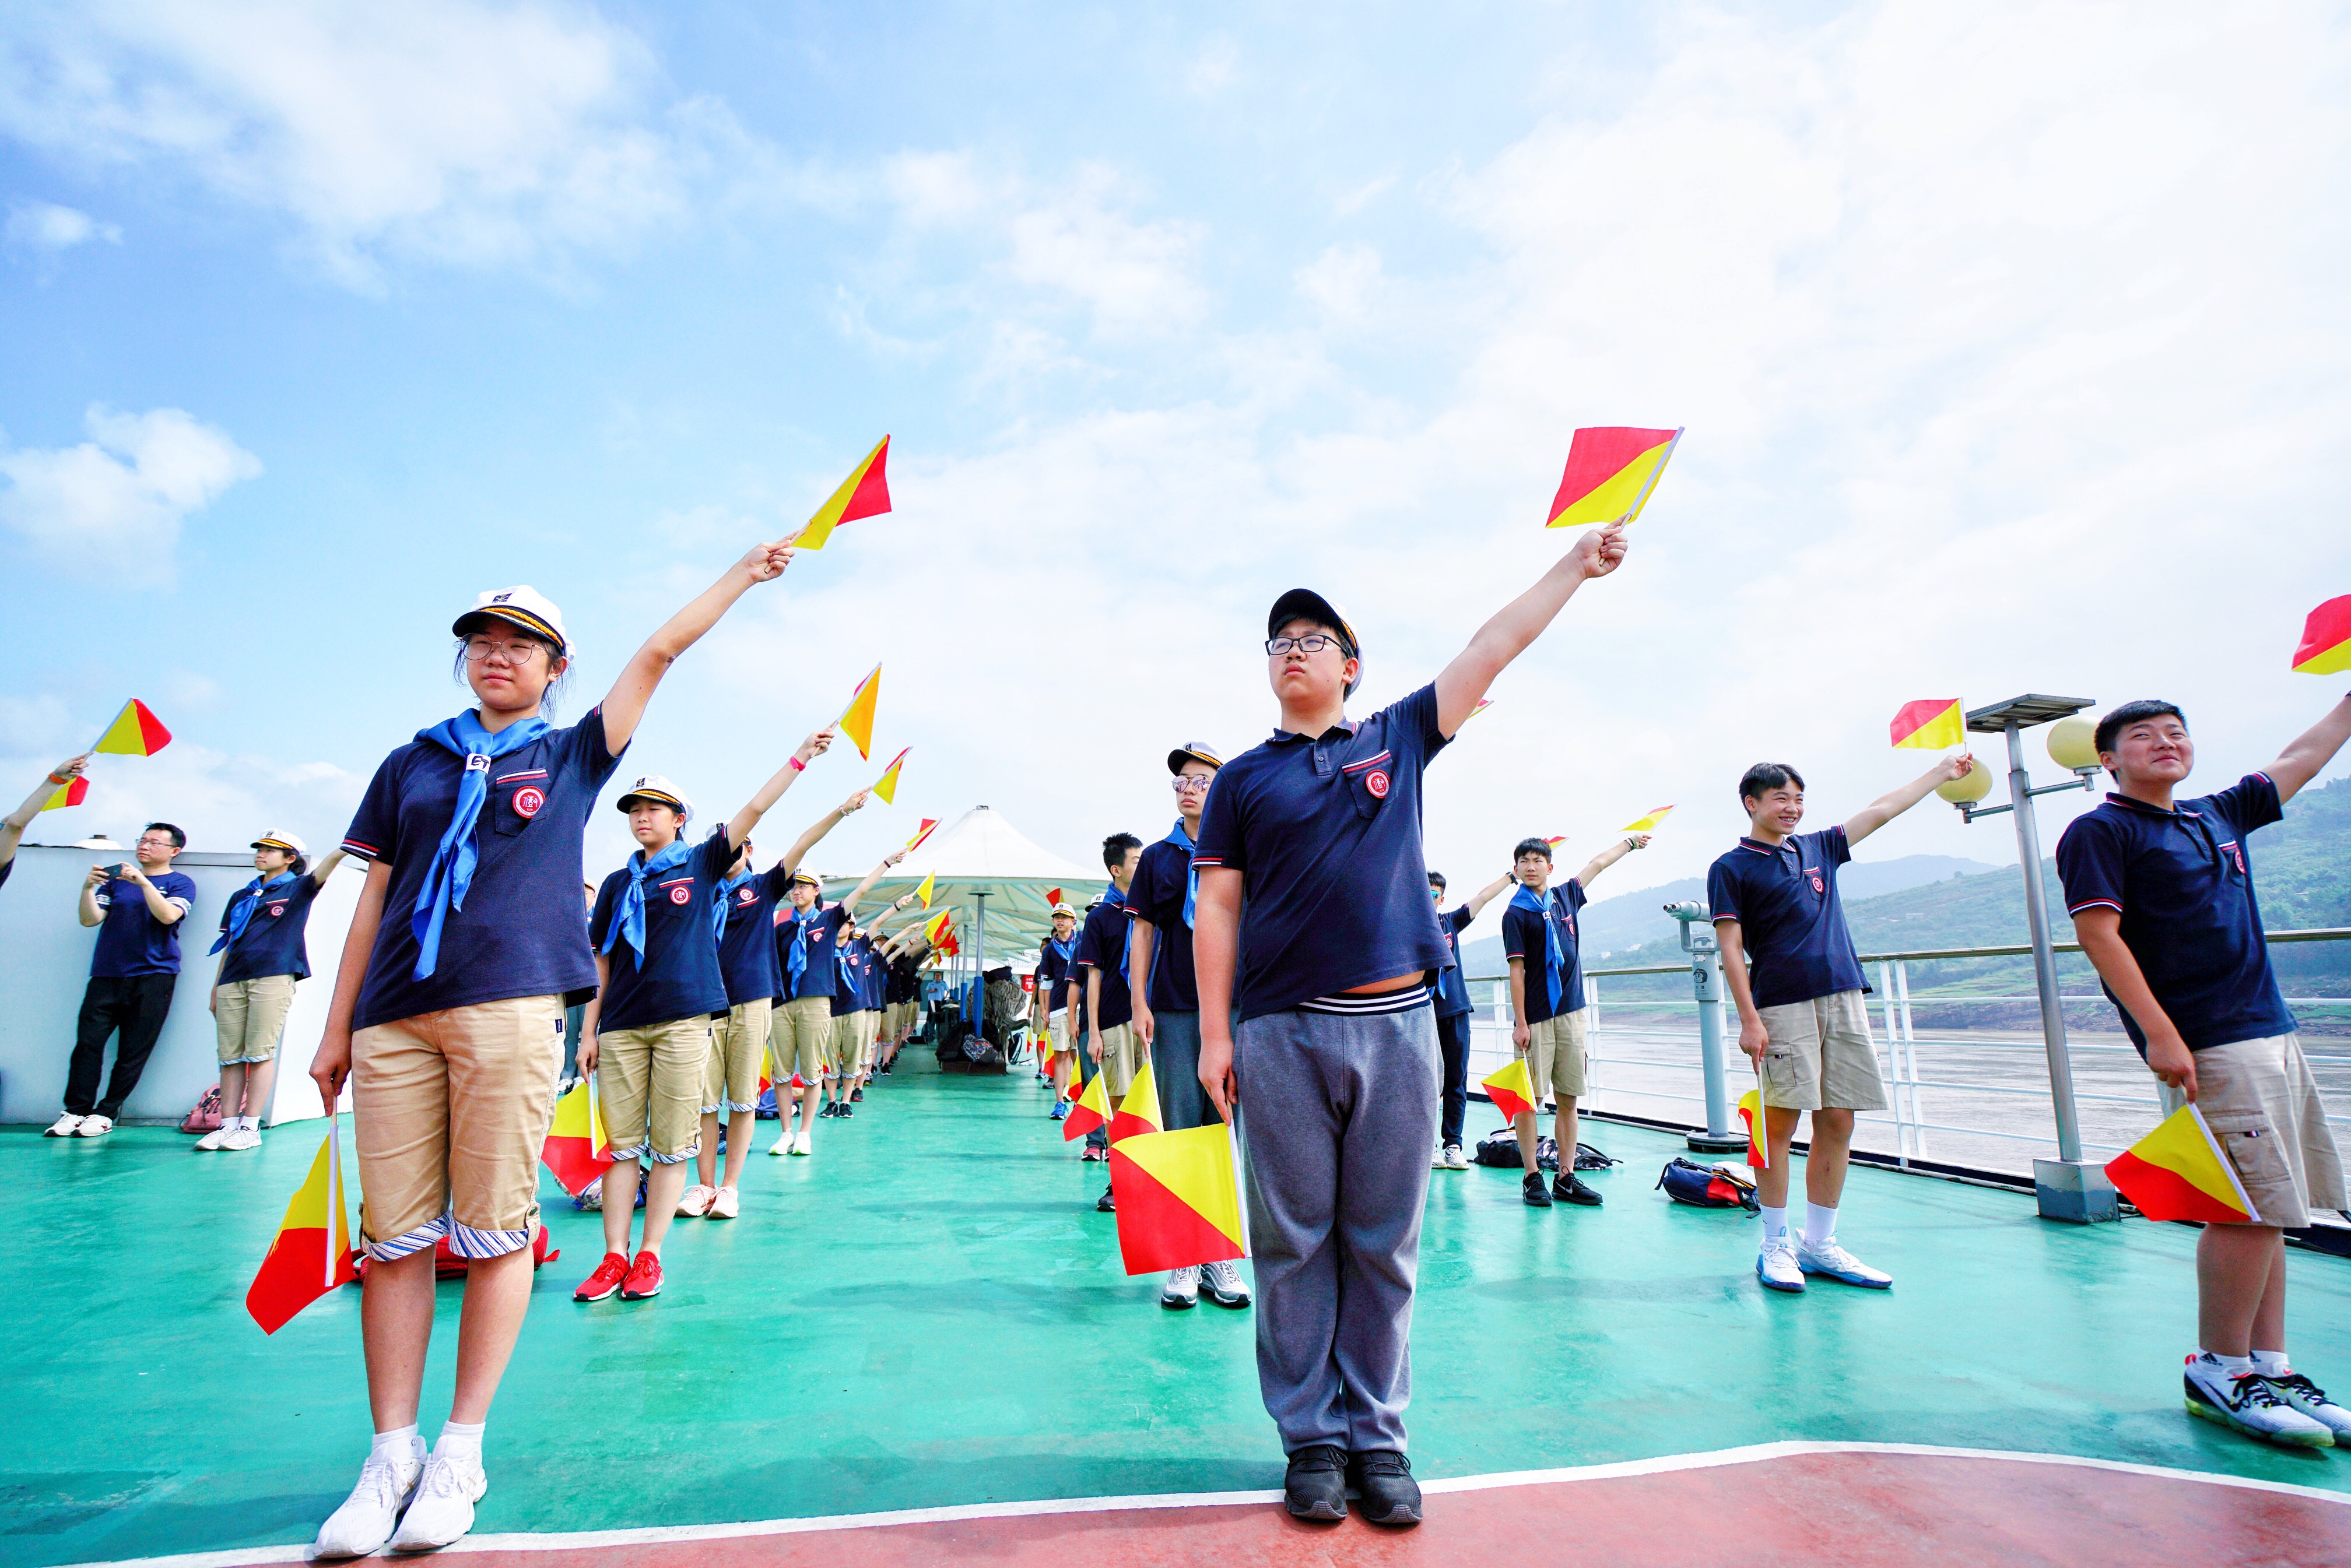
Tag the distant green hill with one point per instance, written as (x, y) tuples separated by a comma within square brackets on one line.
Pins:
[(2302, 871)]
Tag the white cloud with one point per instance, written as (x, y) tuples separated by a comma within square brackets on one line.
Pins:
[(1342, 282), (47, 227), (450, 131), (110, 509), (1215, 68)]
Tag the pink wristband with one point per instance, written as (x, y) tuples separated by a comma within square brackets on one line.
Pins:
[(799, 766)]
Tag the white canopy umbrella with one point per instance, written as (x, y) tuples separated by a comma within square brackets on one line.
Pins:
[(994, 875)]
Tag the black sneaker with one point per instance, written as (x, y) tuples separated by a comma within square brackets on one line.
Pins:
[(845, 1109), (1106, 1204), (1532, 1190), (831, 1109), (1384, 1487), (1316, 1486), (857, 1094), (1569, 1188)]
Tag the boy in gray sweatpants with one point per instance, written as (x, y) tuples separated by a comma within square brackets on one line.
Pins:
[(1316, 833)]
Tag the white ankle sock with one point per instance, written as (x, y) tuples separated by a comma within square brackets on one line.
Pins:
[(2231, 1365), (459, 1441), (396, 1444), (1775, 1224), (1820, 1224), (2271, 1362)]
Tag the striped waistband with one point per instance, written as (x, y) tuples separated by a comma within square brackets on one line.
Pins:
[(1404, 1000)]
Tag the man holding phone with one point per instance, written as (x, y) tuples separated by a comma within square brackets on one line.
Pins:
[(138, 908)]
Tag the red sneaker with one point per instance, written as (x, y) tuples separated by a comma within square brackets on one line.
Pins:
[(645, 1278), (605, 1280)]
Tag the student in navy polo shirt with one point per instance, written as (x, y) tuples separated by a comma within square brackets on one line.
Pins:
[(262, 957), (1454, 1011), (738, 1044), (1314, 897), (2161, 892), (806, 933), (468, 941), (138, 906), (856, 1013), (1056, 955), (1166, 1021), (1801, 1019), (12, 825), (1100, 971), (1548, 1027)]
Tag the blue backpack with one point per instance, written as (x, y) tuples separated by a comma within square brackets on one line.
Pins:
[(1706, 1187)]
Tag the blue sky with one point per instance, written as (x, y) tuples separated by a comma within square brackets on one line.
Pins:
[(2010, 339)]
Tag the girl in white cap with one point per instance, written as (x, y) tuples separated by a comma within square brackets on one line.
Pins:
[(262, 955), (468, 941)]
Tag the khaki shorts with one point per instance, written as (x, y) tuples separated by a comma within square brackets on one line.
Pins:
[(250, 1014), (897, 1019), (800, 1034), (1555, 1049), (1058, 1025), (649, 1085), (1817, 1055), (2261, 1103), (449, 1110), (738, 1047), (1121, 1058)]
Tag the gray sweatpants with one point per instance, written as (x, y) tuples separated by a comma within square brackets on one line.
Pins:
[(1337, 1117)]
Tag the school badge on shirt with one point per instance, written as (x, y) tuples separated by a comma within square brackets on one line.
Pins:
[(1377, 783), (680, 894), (1818, 885), (528, 799)]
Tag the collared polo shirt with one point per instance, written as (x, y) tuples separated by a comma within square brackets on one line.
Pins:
[(131, 939), (820, 929), (1790, 920), (522, 931), (746, 947), (679, 975), (1452, 986), (1102, 946), (2183, 882), (272, 942), (1054, 965), (1523, 938), (1161, 876), (1325, 831)]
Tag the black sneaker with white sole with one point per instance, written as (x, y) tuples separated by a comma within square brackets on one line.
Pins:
[(1531, 1188), (1316, 1484), (1106, 1204)]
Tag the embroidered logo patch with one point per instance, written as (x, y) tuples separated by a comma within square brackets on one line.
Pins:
[(680, 894), (1819, 886), (528, 799), (1377, 783), (749, 894), (276, 908)]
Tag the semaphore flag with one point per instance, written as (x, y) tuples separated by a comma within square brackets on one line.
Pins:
[(1179, 1199), (1610, 469), (135, 732), (886, 786), (921, 833), (1931, 723), (929, 889), (311, 1253), (1090, 1110), (1138, 1112), (2179, 1171), (1657, 814), (864, 493), (2326, 647), (575, 1149), (1758, 1145), (72, 793), (1512, 1089), (856, 720)]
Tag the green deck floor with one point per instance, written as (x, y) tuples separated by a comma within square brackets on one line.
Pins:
[(930, 1313)]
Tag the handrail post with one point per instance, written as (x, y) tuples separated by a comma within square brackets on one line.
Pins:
[(1705, 981)]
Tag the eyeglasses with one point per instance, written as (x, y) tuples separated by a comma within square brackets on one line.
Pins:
[(478, 648), (1185, 783), (155, 841), (1312, 642)]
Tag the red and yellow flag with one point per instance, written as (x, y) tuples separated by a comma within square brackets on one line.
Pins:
[(73, 792), (1611, 470), (935, 928), (2179, 1171), (886, 786), (928, 889), (2326, 647), (311, 1253), (1179, 1199), (1512, 1089), (856, 720), (1138, 1112), (1090, 1110), (921, 833), (575, 1149), (1052, 897), (766, 1073), (1932, 723), (135, 732), (864, 493), (1483, 704), (1657, 813), (1759, 1144)]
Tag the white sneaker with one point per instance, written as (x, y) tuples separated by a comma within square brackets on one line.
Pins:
[(212, 1139), (1224, 1284), (1834, 1260), (2311, 1399), (801, 1145), (695, 1201), (372, 1512), (726, 1203), (2251, 1404), (1775, 1265), (64, 1127), (242, 1138), (444, 1509), (93, 1126), (1182, 1290), (783, 1144), (1454, 1158)]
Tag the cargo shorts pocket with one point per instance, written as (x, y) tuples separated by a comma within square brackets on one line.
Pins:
[(2253, 1145)]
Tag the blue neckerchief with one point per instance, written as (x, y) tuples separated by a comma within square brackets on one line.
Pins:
[(629, 914), (450, 875), (240, 912), (1067, 949), (1555, 953), (718, 901), (796, 955), (1190, 847)]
